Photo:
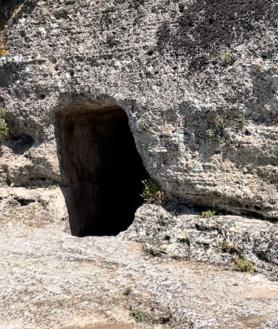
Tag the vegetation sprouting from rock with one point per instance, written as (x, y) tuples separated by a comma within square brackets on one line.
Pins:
[(152, 192), (228, 58), (3, 124), (208, 213), (244, 265), (139, 316)]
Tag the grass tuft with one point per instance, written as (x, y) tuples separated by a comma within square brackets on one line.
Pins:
[(4, 130), (152, 193), (244, 265), (208, 213)]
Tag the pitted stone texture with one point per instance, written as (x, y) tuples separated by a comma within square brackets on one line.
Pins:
[(36, 166), (215, 240), (34, 207), (197, 79)]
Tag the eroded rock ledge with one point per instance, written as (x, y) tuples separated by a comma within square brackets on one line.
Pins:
[(216, 240)]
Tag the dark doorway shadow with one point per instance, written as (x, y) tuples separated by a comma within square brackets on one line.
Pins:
[(7, 10), (102, 168)]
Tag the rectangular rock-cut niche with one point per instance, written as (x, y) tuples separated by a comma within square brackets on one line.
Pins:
[(102, 168)]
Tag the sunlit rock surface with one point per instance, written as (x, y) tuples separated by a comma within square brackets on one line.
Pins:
[(197, 79)]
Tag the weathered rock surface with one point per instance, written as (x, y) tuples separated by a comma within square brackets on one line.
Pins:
[(49, 279), (197, 79), (216, 240), (37, 207)]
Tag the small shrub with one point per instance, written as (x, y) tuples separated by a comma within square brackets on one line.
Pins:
[(244, 265), (139, 316), (211, 133), (3, 124), (152, 192), (208, 213), (228, 58)]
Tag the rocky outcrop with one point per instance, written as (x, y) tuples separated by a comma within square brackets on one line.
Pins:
[(198, 81), (221, 240), (36, 207)]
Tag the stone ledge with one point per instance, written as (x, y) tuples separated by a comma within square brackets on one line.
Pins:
[(216, 240)]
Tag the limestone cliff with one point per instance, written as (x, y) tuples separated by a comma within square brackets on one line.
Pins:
[(101, 95), (197, 79)]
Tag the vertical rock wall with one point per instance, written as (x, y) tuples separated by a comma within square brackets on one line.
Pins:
[(197, 79)]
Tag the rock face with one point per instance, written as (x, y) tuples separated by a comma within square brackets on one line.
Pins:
[(221, 240), (197, 79)]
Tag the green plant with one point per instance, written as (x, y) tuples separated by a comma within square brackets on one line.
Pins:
[(244, 265), (3, 124), (221, 127), (228, 58), (208, 213), (240, 121), (211, 133), (217, 126), (152, 192), (139, 316)]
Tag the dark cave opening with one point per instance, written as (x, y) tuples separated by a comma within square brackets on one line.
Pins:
[(102, 167)]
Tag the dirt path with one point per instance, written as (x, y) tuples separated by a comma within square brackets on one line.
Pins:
[(49, 279)]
